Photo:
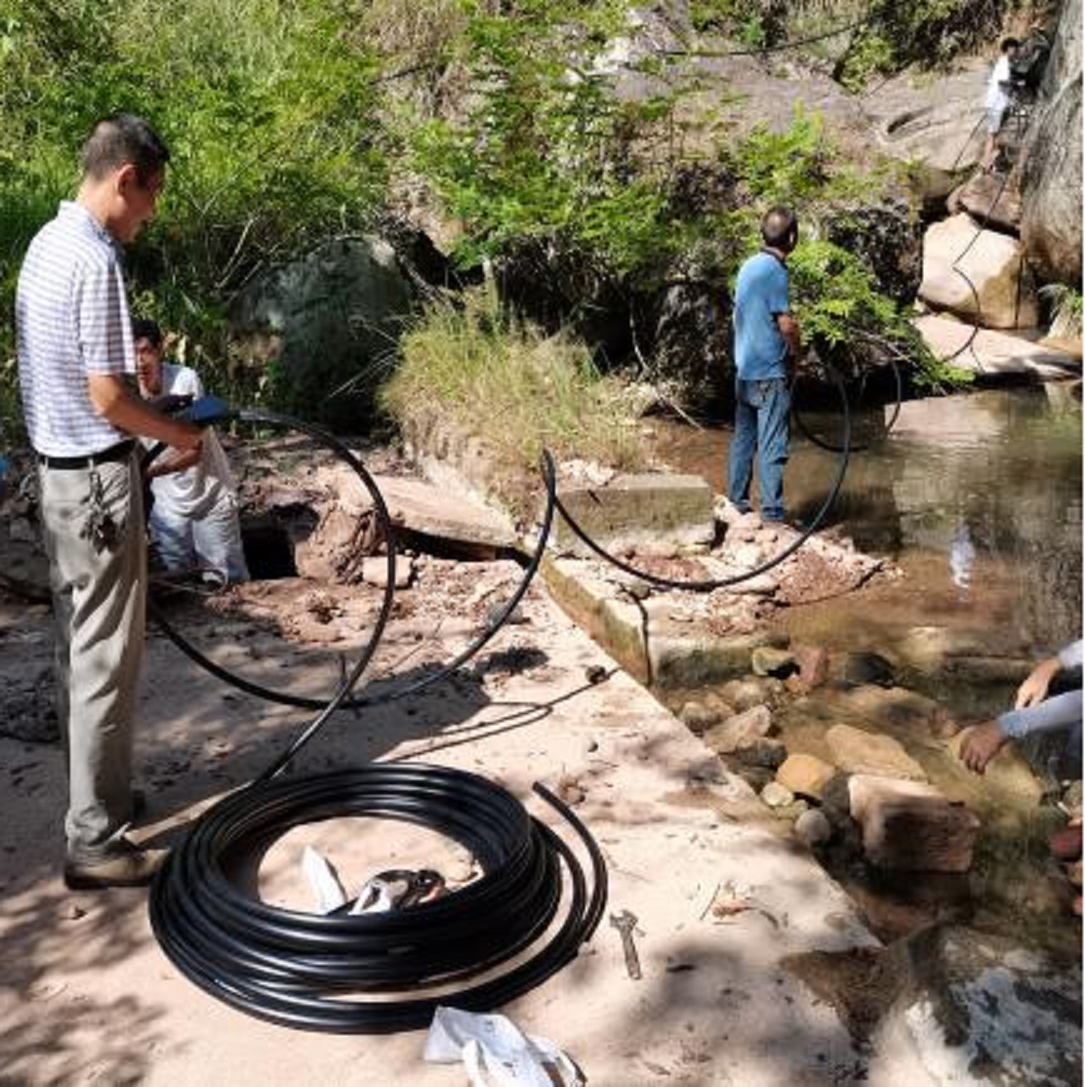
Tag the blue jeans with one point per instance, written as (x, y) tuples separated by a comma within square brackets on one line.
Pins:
[(761, 414)]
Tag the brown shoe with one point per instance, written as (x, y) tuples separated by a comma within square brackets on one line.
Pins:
[(123, 865)]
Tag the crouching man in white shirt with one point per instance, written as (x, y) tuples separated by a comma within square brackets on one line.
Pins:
[(193, 520)]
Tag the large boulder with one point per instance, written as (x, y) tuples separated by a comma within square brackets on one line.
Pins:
[(978, 274), (1051, 176), (321, 322), (933, 125)]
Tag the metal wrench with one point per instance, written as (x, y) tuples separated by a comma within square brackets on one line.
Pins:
[(625, 922)]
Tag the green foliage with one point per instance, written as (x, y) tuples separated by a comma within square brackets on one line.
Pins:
[(926, 32), (269, 111), (848, 320), (868, 55), (785, 167), (472, 365), (547, 147)]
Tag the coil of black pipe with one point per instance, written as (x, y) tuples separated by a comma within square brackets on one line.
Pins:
[(306, 970)]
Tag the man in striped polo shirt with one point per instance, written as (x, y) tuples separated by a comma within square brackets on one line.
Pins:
[(82, 409)]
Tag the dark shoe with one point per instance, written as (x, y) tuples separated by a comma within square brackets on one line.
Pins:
[(139, 804), (123, 865)]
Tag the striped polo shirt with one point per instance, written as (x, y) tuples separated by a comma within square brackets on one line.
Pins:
[(71, 318)]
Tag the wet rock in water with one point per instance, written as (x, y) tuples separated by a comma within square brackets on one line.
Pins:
[(813, 828), (972, 1007), (767, 753), (813, 662), (776, 796), (744, 693), (793, 811), (757, 777), (743, 730), (698, 717), (805, 775), (856, 751), (766, 660), (912, 826), (868, 668)]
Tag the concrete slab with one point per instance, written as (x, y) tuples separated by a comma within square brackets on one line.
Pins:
[(660, 510), (89, 996), (431, 510), (995, 354)]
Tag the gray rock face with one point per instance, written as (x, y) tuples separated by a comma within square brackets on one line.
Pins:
[(932, 125), (1051, 175), (976, 1008), (321, 320)]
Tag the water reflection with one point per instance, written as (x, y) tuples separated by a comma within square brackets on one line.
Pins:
[(988, 484)]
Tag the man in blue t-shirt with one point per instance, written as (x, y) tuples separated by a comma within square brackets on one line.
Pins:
[(766, 339)]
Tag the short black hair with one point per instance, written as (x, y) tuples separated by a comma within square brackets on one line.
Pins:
[(143, 328), (119, 139), (1007, 44), (780, 228)]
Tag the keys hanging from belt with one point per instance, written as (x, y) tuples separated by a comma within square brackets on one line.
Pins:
[(99, 527)]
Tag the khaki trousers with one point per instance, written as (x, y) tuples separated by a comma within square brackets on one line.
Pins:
[(98, 609)]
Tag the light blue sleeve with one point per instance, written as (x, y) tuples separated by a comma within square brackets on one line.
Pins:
[(778, 290), (1070, 655), (1059, 711)]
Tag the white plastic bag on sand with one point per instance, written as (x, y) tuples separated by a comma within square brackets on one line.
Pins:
[(323, 881), (496, 1053)]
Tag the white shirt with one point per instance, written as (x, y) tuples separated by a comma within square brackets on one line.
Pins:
[(71, 318), (195, 491), (997, 99)]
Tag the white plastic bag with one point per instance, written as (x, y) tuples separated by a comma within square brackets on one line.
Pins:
[(323, 880), (496, 1053)]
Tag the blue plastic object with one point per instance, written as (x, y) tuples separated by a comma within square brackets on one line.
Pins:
[(207, 410)]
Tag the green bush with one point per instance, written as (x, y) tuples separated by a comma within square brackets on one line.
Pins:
[(268, 107), (472, 365)]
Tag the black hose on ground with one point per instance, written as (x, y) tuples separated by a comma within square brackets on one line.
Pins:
[(305, 970), (709, 584), (283, 422)]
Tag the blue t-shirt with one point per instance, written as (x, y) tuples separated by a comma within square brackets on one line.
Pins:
[(760, 294)]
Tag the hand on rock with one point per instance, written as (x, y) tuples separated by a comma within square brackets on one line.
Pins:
[(981, 744)]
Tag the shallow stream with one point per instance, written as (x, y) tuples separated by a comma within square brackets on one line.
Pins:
[(977, 498)]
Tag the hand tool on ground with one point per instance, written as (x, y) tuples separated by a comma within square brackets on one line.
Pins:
[(625, 922)]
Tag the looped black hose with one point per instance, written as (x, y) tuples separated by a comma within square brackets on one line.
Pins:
[(854, 447), (306, 971), (285, 698), (709, 584)]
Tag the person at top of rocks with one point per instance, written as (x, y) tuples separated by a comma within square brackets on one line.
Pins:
[(766, 343), (997, 102), (193, 520)]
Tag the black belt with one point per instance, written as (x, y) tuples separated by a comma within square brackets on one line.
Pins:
[(120, 451)]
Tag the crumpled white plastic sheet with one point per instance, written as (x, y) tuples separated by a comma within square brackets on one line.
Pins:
[(323, 880), (496, 1053)]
